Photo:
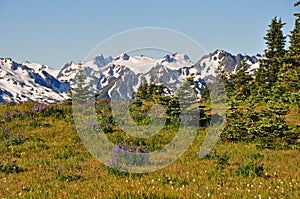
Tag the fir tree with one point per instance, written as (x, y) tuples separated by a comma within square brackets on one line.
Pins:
[(218, 87), (240, 83), (294, 49), (82, 93), (287, 89), (266, 76)]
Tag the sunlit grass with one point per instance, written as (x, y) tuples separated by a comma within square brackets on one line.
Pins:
[(55, 164)]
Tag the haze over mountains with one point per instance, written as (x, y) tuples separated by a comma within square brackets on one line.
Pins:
[(122, 75)]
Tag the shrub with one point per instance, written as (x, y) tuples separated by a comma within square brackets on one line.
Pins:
[(128, 156), (10, 167), (221, 160), (254, 168), (14, 140)]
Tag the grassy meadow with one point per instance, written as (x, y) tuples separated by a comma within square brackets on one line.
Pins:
[(42, 156)]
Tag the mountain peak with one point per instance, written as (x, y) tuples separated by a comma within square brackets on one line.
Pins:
[(29, 82), (36, 82), (123, 56), (168, 59), (102, 61)]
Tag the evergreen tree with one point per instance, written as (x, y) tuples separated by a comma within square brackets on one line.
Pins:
[(294, 49), (218, 87), (277, 81), (287, 89), (82, 93), (240, 83), (275, 40), (148, 95)]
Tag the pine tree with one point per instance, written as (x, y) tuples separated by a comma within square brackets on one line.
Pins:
[(82, 93), (287, 89), (218, 87), (266, 76), (275, 40), (294, 49), (241, 83)]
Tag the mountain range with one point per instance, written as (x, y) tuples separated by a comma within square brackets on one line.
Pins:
[(113, 77)]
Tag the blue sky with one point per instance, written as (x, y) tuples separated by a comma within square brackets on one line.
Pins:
[(57, 31)]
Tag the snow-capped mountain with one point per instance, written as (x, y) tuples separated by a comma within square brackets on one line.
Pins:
[(69, 71), (39, 68), (119, 77), (229, 63), (29, 82), (121, 82), (137, 64), (129, 72)]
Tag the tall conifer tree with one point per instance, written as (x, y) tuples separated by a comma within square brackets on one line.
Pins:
[(275, 52)]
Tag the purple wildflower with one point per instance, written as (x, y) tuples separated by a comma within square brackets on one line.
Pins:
[(133, 148), (39, 108), (35, 108), (5, 131), (215, 152), (125, 146), (147, 155), (120, 145), (142, 150)]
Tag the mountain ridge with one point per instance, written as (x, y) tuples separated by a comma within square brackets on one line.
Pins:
[(36, 82)]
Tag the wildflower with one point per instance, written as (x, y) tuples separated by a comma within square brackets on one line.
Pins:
[(38, 108), (41, 108), (5, 132), (35, 108), (215, 152), (119, 146), (125, 146), (133, 148)]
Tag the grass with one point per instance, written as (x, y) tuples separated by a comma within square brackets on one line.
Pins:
[(53, 163), (293, 117)]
